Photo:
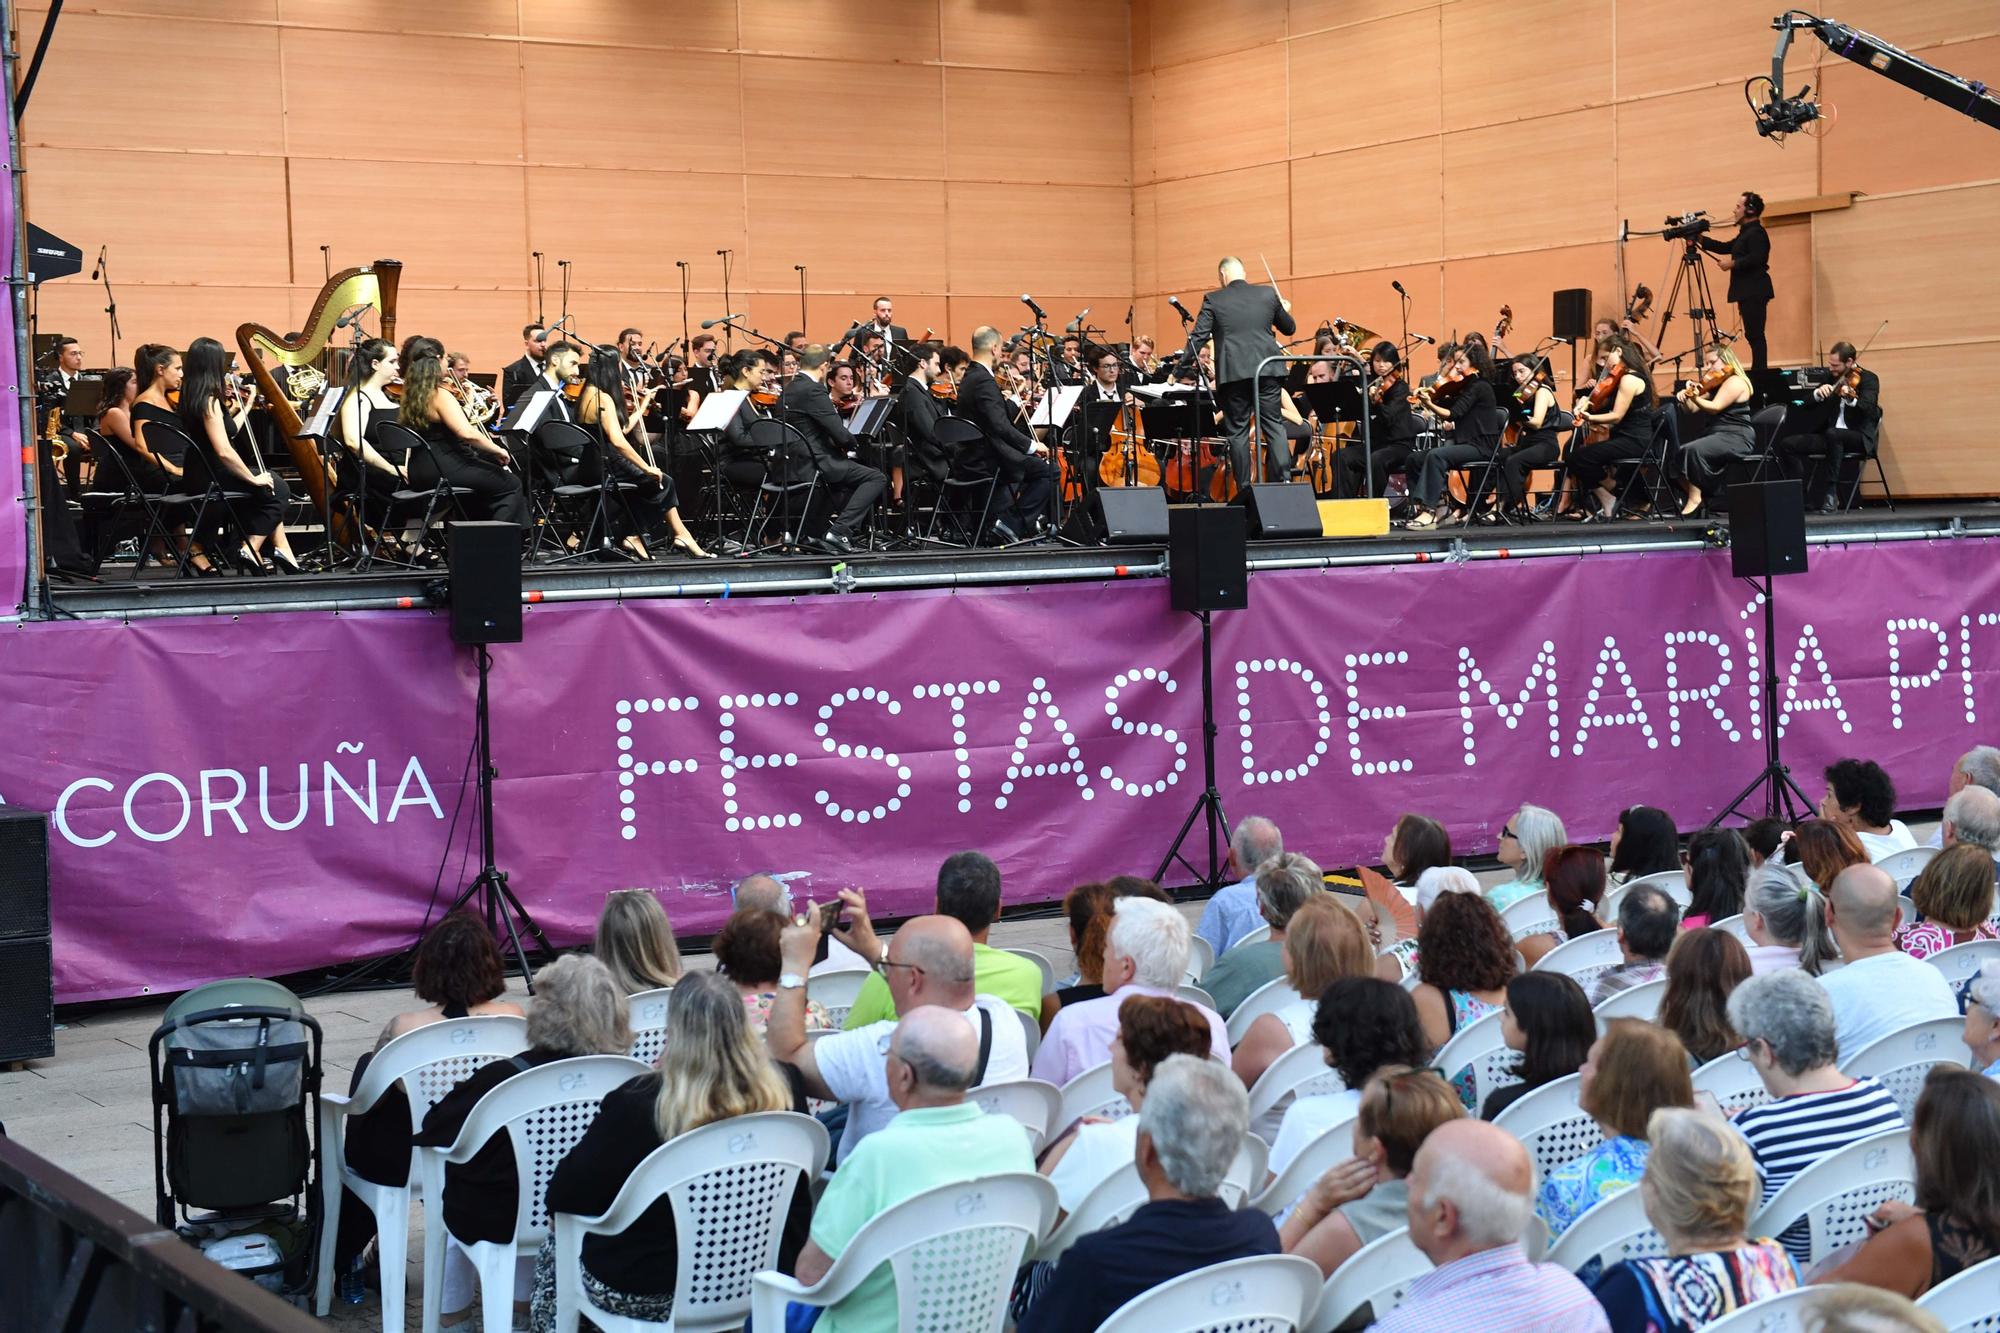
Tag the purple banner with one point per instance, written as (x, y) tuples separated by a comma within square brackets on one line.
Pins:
[(279, 792)]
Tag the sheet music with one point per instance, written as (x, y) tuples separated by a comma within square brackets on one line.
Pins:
[(1157, 392), (321, 421), (717, 409), (1056, 405), (530, 410)]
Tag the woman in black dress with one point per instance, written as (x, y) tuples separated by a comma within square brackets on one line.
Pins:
[(215, 427), (1533, 404), (1715, 425), (1630, 418), (600, 407), (372, 470), (459, 452)]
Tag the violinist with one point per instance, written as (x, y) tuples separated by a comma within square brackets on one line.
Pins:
[(558, 455), (257, 497), (847, 384), (754, 373), (1715, 431), (460, 453), (1843, 419), (867, 363), (371, 473), (645, 496), (1464, 399), (854, 486), (927, 395), (1533, 404), (1105, 385), (632, 362), (1622, 401)]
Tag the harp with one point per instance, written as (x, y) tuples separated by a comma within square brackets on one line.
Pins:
[(372, 286)]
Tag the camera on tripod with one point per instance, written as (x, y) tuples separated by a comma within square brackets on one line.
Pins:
[(1687, 226)]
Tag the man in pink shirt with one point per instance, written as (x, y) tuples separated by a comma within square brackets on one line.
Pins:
[(1145, 953)]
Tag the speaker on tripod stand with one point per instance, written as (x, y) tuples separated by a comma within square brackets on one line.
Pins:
[(1767, 538)]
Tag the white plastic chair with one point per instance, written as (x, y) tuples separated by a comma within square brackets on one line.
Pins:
[(1531, 915), (1479, 1045), (1194, 995), (1201, 957), (1257, 936), (1299, 1072), (1116, 1197), (952, 1250), (731, 1184), (1902, 1060), (1906, 865), (1836, 1194), (1265, 1292), (1641, 1001), (1091, 1093), (1735, 926), (649, 1023), (543, 1111), (1036, 1104), (1378, 1274), (1266, 999), (428, 1062), (836, 991), (1551, 1125), (1584, 958), (1031, 1033), (1672, 882), (1330, 1147), (1906, 911), (1733, 1082), (1609, 1231), (1783, 1313), (1042, 962), (1961, 962), (1969, 1302)]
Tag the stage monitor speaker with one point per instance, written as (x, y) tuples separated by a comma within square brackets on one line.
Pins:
[(1205, 558), (1571, 318), (1280, 510), (1767, 529), (1133, 514), (27, 997), (485, 562)]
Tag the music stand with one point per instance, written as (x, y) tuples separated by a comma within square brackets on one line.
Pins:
[(1342, 401), (870, 417)]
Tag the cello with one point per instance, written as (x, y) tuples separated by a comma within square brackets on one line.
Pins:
[(1127, 461)]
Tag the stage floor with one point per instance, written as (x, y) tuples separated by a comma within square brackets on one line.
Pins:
[(116, 595)]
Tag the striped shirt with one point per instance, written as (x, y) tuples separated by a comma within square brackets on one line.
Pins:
[(1496, 1291), (1788, 1135)]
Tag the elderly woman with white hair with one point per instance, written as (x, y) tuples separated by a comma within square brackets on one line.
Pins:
[(1525, 843), (1982, 1019), (1699, 1189), (1785, 917)]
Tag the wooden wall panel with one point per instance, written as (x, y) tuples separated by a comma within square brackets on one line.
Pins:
[(695, 24), (1310, 16), (1676, 153), (1145, 239), (1221, 113), (1365, 298), (867, 31), (890, 117), (676, 109), (482, 18), (1359, 85), (1036, 35), (1926, 448), (1888, 138), (428, 99), (1084, 235), (1551, 196), (1528, 283), (149, 312), (1184, 30), (1791, 317), (867, 233), (1660, 51), (1235, 212), (452, 225), (244, 11), (1145, 164), (1912, 259), (1089, 140), (468, 321), (641, 222), (1343, 217), (1507, 60)]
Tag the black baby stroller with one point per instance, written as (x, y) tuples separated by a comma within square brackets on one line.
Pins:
[(234, 1064)]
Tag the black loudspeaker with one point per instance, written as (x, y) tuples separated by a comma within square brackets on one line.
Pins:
[(27, 994), (1572, 313), (1280, 509), (1767, 529), (1133, 513), (1205, 558), (485, 562)]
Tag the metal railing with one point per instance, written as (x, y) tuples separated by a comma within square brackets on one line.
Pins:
[(1362, 366)]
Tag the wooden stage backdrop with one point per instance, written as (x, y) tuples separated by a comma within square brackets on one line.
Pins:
[(955, 153)]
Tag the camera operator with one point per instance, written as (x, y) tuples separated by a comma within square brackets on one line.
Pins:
[(1747, 257)]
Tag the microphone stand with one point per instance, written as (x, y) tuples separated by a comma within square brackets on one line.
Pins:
[(802, 296), (563, 266), (730, 336), (110, 301), (541, 315)]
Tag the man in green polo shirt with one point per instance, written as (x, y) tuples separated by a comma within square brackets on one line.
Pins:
[(937, 1138), (968, 888)]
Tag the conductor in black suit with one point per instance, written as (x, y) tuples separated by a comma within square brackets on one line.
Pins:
[(855, 487), (1239, 318), (1747, 257), (1021, 460), (518, 377)]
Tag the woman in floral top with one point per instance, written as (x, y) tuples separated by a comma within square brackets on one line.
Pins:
[(746, 951), (1698, 1189), (1954, 898), (1633, 1069)]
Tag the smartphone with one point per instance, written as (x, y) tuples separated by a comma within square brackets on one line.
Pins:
[(832, 915)]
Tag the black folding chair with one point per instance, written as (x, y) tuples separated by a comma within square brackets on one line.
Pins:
[(961, 439), (439, 502), (781, 444), (1871, 453)]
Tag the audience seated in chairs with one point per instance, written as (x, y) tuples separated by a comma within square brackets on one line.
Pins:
[(1471, 1198), (1632, 1070), (968, 890), (1861, 799), (932, 1137), (1977, 767), (1699, 1189), (1704, 966), (1285, 883), (1953, 894), (1576, 881), (1718, 866), (1324, 941), (749, 952), (1647, 920), (1547, 1019), (1786, 1021), (1232, 912), (1982, 1019), (1784, 914), (1764, 837), (635, 942), (1364, 1024), (1150, 1030), (1433, 884), (458, 973), (1972, 816), (1193, 1122), (1525, 843), (1145, 953), (928, 963), (1464, 957), (1955, 1222), (1366, 1197), (713, 1067), (578, 1010), (1823, 849), (1089, 909), (1877, 989), (1644, 843)]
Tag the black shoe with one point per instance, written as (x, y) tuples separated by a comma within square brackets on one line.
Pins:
[(835, 544), (1828, 508), (1004, 530), (285, 564)]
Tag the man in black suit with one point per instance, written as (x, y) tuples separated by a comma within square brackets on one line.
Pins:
[(1239, 318), (920, 411), (559, 455), (854, 486), (1837, 427), (1021, 460), (1746, 257), (518, 376)]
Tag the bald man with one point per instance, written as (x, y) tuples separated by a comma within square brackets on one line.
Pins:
[(1471, 1195), (928, 962), (1878, 989), (1238, 319)]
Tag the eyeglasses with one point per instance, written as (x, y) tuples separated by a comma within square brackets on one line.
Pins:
[(1508, 832), (885, 964)]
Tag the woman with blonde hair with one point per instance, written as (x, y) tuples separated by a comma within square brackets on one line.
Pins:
[(1324, 941), (1954, 898), (1634, 1069), (1699, 1187), (713, 1067), (635, 941), (1715, 425)]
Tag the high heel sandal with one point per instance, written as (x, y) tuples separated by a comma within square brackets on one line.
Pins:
[(285, 563), (687, 546)]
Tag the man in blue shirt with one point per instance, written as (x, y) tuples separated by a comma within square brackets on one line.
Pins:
[(1232, 912), (1190, 1129)]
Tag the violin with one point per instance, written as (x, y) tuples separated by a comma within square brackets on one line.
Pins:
[(1706, 386), (944, 391), (1449, 384), (1378, 392), (1525, 393), (1849, 386), (763, 398)]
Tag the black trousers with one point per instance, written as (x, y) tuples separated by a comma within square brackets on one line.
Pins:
[(645, 506), (496, 492), (1033, 480), (1385, 459), (1517, 463), (1818, 459), (1753, 313), (1240, 400), (855, 487), (1591, 464)]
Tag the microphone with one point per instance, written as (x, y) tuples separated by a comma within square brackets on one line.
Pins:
[(1077, 323), (1560, 340), (1175, 302), (1029, 302), (99, 264), (1399, 288), (1128, 315), (711, 323), (1423, 338), (353, 316)]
